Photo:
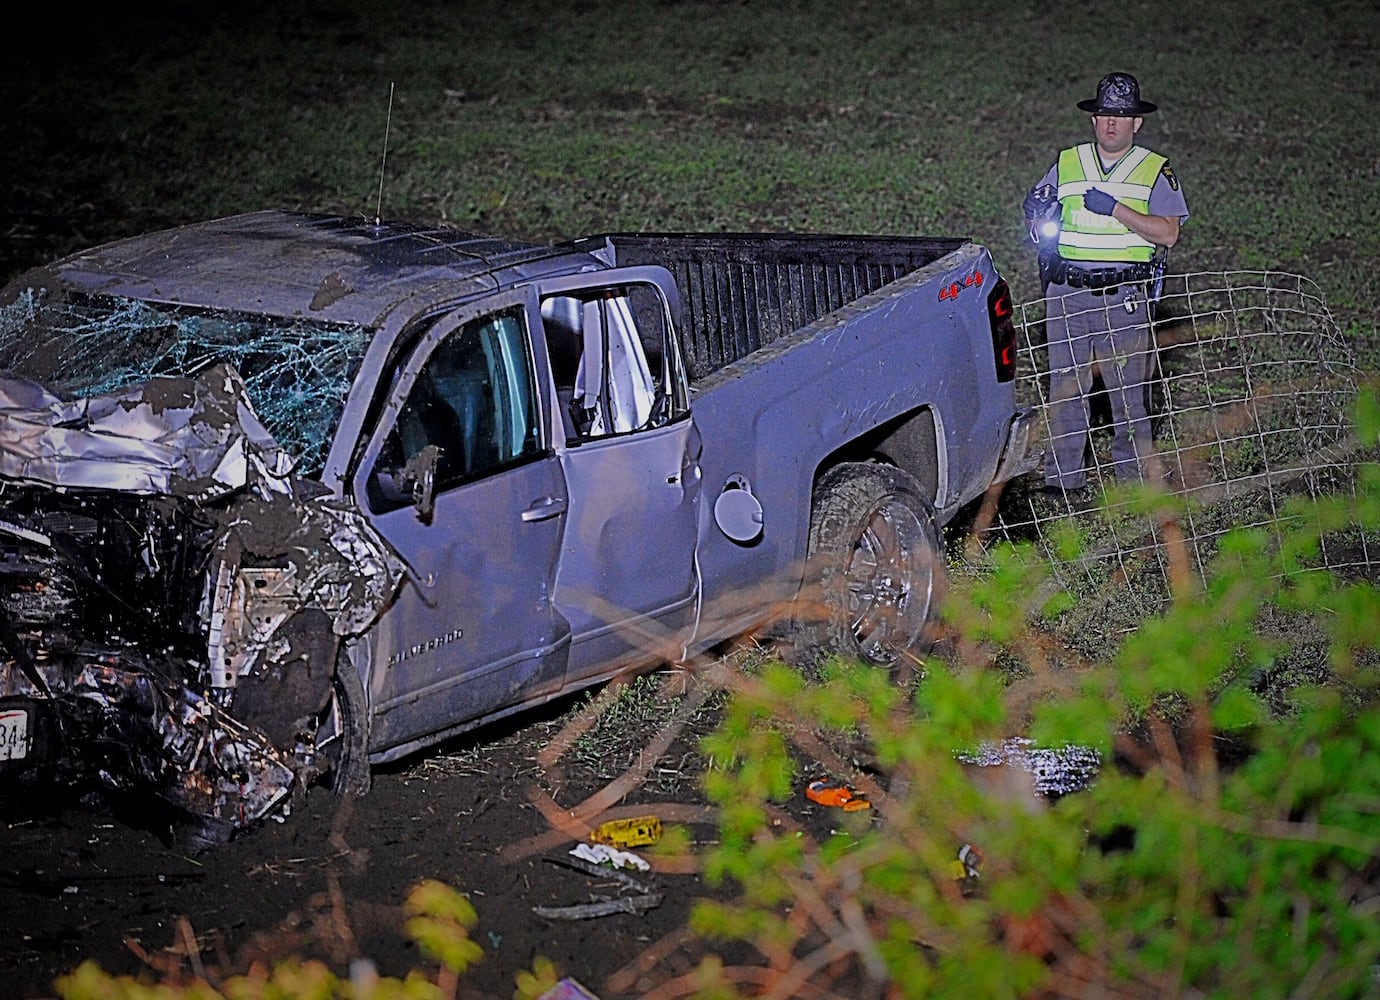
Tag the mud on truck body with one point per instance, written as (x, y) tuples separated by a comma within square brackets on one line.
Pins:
[(284, 496)]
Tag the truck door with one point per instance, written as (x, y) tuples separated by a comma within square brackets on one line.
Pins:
[(460, 477), (628, 581)]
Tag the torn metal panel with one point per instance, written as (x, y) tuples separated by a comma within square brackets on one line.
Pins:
[(138, 727), (183, 437), (323, 555), (157, 553)]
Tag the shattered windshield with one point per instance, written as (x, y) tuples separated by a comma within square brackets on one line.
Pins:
[(297, 372)]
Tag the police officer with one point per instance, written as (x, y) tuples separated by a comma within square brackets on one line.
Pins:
[(1116, 203)]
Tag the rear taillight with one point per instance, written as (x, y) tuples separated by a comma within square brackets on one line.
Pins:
[(999, 315)]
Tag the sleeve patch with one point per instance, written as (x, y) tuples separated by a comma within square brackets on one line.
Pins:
[(1168, 172)]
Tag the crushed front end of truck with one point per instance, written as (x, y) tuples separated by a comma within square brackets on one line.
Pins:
[(173, 596)]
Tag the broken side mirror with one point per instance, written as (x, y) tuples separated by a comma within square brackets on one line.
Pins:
[(419, 474)]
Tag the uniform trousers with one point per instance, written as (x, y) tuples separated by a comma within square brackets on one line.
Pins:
[(1112, 331)]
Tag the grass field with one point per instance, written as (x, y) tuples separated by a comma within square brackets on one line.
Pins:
[(545, 120)]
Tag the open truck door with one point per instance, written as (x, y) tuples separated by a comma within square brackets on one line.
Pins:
[(628, 582)]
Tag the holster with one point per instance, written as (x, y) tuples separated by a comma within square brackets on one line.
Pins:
[(1052, 268)]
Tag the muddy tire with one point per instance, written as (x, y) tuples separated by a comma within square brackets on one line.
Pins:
[(295, 700), (348, 749), (876, 569)]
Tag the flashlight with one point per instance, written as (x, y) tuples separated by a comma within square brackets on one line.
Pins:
[(1042, 211)]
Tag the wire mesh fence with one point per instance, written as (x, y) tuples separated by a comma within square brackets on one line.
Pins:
[(1250, 397)]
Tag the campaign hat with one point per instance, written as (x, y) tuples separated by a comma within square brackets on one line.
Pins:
[(1118, 94)]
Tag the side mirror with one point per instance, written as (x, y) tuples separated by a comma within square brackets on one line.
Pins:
[(420, 473)]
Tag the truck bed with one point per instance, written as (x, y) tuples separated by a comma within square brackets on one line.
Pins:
[(741, 292)]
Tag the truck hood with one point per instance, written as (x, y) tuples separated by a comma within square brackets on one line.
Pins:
[(176, 436), (130, 364)]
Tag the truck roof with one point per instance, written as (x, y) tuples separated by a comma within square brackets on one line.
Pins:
[(291, 264)]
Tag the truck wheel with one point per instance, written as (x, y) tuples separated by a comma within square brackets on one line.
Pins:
[(346, 749), (287, 701), (877, 563)]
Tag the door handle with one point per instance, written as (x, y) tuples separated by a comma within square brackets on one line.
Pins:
[(544, 508)]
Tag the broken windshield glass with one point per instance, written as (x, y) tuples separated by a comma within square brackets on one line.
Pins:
[(296, 371)]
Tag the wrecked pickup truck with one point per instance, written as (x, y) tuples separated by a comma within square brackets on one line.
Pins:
[(284, 496)]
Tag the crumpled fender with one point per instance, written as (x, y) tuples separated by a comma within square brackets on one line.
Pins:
[(199, 441)]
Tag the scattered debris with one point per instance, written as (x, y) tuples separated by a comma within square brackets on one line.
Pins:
[(598, 870), (1054, 771), (602, 906), (968, 864), (599, 854), (640, 831), (568, 989), (828, 792)]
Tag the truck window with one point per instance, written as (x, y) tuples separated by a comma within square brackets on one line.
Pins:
[(612, 361), (474, 401)]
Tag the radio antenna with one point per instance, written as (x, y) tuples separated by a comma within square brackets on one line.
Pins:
[(388, 124)]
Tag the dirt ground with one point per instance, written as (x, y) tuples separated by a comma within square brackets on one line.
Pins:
[(105, 880)]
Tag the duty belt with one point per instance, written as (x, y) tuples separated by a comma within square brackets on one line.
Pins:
[(1064, 272)]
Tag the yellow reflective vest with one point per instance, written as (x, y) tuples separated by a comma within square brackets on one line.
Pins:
[(1084, 235)]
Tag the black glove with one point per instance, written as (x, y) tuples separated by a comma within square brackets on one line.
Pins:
[(1098, 202)]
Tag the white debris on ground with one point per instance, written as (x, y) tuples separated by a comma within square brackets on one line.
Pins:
[(1053, 770), (599, 854)]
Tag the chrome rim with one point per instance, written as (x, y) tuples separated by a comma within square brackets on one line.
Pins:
[(890, 582)]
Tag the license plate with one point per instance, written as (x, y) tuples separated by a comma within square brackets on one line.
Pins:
[(14, 734)]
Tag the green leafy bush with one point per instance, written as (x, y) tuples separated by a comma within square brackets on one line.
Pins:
[(1224, 848)]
